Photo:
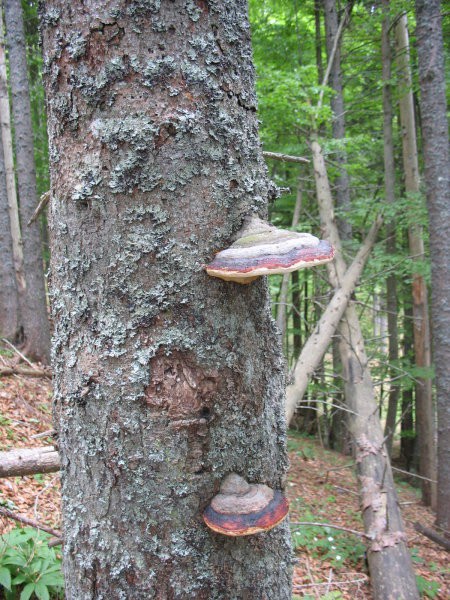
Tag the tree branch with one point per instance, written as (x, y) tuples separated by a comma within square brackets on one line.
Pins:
[(285, 157), (29, 461), (26, 521)]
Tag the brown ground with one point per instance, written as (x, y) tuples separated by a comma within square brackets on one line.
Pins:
[(320, 489)]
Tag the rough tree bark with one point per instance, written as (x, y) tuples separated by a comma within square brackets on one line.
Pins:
[(391, 242), (391, 571), (421, 328), (33, 303), (437, 178), (9, 314), (165, 380)]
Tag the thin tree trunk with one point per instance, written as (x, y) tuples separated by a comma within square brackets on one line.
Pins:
[(34, 307), (166, 380), (13, 208), (9, 305), (391, 242), (437, 178), (319, 340), (296, 319), (408, 432), (342, 183), (422, 348), (282, 301), (318, 40), (391, 571)]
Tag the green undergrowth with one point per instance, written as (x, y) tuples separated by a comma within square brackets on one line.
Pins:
[(28, 567)]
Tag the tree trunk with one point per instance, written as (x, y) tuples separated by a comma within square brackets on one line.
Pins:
[(166, 380), (391, 242), (342, 184), (282, 302), (422, 349), (34, 306), (318, 342), (9, 311), (318, 40), (408, 431), (437, 178), (12, 223), (391, 571)]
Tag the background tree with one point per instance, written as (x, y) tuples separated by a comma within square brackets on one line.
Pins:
[(421, 326), (430, 50), (8, 291), (165, 380), (33, 302)]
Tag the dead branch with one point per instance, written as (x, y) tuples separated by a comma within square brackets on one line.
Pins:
[(7, 371), (432, 535), (285, 157), (18, 352), (56, 541), (312, 524), (316, 345), (26, 521), (29, 461), (45, 198)]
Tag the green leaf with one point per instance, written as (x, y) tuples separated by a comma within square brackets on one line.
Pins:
[(20, 578), (5, 578), (53, 579), (41, 591), (27, 591)]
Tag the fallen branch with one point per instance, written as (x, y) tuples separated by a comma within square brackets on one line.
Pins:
[(7, 371), (432, 535), (285, 157), (26, 521), (29, 461), (40, 207), (18, 352), (312, 524), (318, 342), (56, 541), (298, 587)]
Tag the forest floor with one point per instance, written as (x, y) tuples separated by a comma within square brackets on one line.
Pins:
[(321, 488)]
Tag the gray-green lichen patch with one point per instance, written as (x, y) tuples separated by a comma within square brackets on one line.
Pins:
[(76, 45), (88, 177), (158, 70), (96, 88), (193, 10)]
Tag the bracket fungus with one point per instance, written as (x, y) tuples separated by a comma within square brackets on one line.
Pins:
[(262, 249), (242, 508)]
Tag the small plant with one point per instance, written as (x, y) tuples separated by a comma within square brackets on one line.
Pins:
[(333, 546), (429, 589), (28, 567)]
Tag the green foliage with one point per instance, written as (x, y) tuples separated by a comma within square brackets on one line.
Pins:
[(331, 545), (429, 589), (28, 567)]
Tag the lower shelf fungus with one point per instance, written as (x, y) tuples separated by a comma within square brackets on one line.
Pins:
[(242, 508), (262, 249)]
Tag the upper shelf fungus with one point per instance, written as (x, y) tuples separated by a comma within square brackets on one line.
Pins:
[(262, 249), (241, 508)]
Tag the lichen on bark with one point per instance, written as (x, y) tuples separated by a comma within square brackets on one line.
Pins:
[(165, 380)]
